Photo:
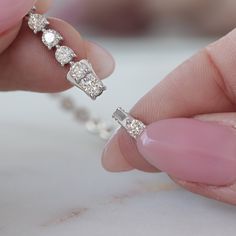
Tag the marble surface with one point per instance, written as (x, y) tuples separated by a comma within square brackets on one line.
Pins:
[(51, 180)]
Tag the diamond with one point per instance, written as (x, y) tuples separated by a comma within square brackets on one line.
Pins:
[(82, 75), (37, 22), (135, 127), (64, 55), (79, 70), (51, 38), (92, 85)]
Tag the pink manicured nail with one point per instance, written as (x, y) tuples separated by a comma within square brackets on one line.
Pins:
[(12, 11), (191, 150)]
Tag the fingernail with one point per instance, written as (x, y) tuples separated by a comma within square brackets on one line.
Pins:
[(12, 11), (112, 159), (191, 150)]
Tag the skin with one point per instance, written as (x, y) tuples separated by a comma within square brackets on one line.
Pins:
[(14, 41), (204, 84), (208, 76)]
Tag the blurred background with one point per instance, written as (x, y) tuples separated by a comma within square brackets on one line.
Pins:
[(51, 178), (130, 17)]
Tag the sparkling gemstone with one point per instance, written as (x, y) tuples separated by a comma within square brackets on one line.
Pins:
[(51, 38), (82, 75), (64, 55), (80, 69), (135, 127), (92, 85), (37, 22)]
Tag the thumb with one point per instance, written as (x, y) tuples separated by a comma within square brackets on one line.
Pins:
[(225, 193), (11, 15), (12, 11), (203, 84)]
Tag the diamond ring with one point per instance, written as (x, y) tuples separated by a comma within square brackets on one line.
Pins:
[(81, 73), (133, 126)]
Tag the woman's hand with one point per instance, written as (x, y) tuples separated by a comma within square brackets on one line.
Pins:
[(26, 64), (199, 153)]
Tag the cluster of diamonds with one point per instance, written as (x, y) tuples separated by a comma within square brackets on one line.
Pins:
[(81, 73), (133, 126), (85, 78)]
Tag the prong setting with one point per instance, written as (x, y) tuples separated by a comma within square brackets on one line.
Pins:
[(133, 126), (37, 22), (51, 38), (64, 55), (81, 74)]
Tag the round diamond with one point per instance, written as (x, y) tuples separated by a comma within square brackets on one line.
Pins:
[(37, 22), (64, 55), (51, 38)]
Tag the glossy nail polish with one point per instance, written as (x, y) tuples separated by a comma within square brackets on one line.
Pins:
[(191, 150)]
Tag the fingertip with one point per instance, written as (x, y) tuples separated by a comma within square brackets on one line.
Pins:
[(129, 150), (112, 158), (7, 37), (121, 154), (102, 60)]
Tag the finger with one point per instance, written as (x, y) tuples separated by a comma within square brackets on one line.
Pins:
[(221, 193), (12, 12), (120, 164), (225, 194), (28, 65), (11, 15), (203, 84), (42, 6), (100, 58)]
